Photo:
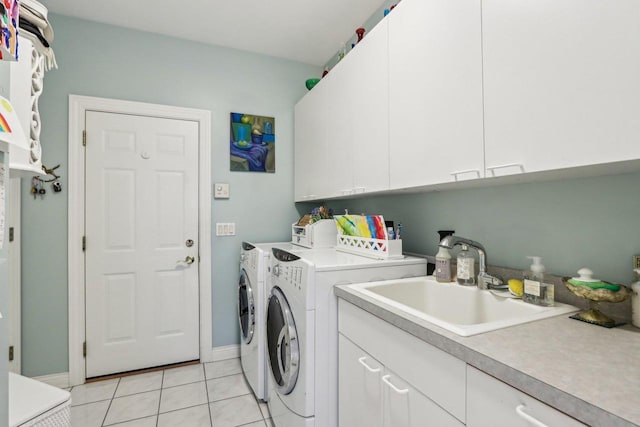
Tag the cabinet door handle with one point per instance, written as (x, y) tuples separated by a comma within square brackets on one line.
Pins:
[(369, 368), (508, 165), (346, 192), (392, 387), (359, 189), (531, 420), (456, 173)]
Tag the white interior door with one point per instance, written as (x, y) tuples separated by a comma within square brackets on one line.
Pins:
[(141, 219)]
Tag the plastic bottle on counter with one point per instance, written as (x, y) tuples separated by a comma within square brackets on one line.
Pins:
[(391, 234), (466, 267), (635, 300), (443, 270), (535, 290)]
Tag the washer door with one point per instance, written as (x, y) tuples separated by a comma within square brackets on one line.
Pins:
[(282, 342), (246, 308)]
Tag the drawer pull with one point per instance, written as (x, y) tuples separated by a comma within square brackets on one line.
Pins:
[(509, 165), (369, 368), (392, 387), (456, 173), (531, 420)]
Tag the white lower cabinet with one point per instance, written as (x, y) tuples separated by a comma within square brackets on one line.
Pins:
[(392, 379), (492, 403), (389, 378), (373, 395)]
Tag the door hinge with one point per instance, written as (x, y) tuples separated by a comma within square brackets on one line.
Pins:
[(84, 138), (84, 243), (11, 353), (84, 349)]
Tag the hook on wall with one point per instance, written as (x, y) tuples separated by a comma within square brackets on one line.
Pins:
[(49, 172)]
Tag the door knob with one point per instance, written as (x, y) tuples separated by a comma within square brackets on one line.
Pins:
[(187, 260)]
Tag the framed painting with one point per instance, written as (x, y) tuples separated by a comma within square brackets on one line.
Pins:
[(252, 145)]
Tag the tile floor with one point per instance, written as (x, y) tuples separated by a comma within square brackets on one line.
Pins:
[(205, 395)]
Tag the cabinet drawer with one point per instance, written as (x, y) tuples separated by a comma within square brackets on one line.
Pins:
[(433, 372), (492, 403)]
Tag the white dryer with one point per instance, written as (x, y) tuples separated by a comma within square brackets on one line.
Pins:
[(302, 328), (252, 296)]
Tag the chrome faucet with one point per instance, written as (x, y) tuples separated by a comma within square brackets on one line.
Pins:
[(485, 280)]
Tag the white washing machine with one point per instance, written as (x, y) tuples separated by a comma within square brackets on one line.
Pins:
[(302, 328), (252, 296)]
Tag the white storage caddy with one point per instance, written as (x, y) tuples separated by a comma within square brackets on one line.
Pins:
[(36, 404), (320, 234), (370, 247)]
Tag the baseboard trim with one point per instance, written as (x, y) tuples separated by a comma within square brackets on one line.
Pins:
[(224, 352), (60, 380)]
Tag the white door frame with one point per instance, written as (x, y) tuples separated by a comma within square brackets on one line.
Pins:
[(78, 106), (15, 274)]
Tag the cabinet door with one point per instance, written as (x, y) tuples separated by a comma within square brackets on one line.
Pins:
[(435, 92), (371, 111), (340, 131), (492, 403), (358, 123), (360, 390), (404, 406), (561, 83), (310, 152)]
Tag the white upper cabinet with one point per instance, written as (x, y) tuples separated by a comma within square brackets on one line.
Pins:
[(340, 132), (435, 92), (358, 133), (561, 83), (342, 125), (310, 153)]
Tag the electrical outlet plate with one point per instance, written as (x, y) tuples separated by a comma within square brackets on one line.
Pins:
[(225, 229), (636, 262)]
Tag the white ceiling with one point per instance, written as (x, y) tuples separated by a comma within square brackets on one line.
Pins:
[(308, 31)]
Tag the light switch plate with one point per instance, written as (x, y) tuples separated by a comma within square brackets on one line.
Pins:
[(225, 228), (221, 190)]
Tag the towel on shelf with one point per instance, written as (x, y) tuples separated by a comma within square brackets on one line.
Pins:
[(36, 27), (366, 226)]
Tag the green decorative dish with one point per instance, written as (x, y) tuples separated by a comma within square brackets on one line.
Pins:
[(310, 83)]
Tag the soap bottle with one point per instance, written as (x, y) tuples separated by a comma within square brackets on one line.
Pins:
[(443, 271), (535, 290), (635, 300), (466, 263)]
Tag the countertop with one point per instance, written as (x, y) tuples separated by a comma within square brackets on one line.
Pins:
[(588, 372)]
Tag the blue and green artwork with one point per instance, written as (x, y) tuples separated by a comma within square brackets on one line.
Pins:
[(253, 143)]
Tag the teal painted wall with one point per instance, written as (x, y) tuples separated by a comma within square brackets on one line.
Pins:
[(572, 223), (105, 61), (588, 222)]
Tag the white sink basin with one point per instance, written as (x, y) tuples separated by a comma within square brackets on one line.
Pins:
[(463, 310)]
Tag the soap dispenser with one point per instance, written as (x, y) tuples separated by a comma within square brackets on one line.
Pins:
[(535, 290), (465, 271), (443, 259)]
